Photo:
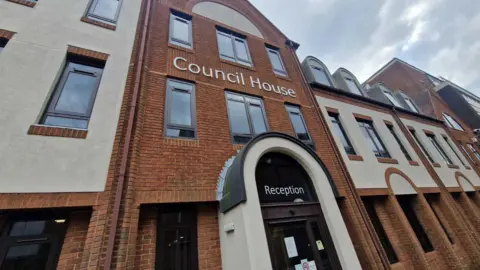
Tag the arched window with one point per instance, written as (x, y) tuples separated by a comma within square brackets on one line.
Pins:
[(319, 71), (351, 82)]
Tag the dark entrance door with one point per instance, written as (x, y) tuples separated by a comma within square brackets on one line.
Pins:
[(297, 233)]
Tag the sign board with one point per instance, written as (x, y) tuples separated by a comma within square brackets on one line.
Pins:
[(291, 247)]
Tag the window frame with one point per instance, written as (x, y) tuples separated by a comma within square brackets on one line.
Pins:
[(422, 147), (92, 15), (247, 105), (453, 150), (276, 51), (322, 70), (337, 122), (163, 228), (291, 110), (168, 104), (55, 239), (407, 155), (233, 37), (368, 126), (438, 147), (473, 150), (451, 122), (347, 78), (175, 15), (73, 67), (465, 151), (392, 99)]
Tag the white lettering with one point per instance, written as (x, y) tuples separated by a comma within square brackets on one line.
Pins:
[(255, 82), (267, 190), (205, 73), (266, 87), (221, 72), (243, 80), (176, 64), (283, 190), (231, 80), (276, 89), (291, 92), (191, 66), (284, 91)]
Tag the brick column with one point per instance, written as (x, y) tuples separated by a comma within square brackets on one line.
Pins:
[(96, 235), (145, 252), (74, 242)]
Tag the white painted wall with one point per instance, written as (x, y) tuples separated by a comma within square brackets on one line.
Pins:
[(447, 175), (29, 66), (252, 253), (370, 173)]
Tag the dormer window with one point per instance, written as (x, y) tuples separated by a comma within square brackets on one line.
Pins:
[(320, 75), (392, 99), (410, 103), (452, 123), (352, 85)]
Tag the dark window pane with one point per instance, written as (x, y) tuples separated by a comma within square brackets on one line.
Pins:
[(392, 99), (238, 117), (276, 61), (178, 249), (184, 133), (338, 131), (371, 136), (24, 228), (414, 134), (437, 146), (66, 122), (225, 45), (258, 121), (411, 105), (453, 150), (241, 49), (181, 30), (406, 202), (320, 76), (298, 123), (26, 257), (326, 265), (106, 8), (180, 106), (76, 93), (352, 86), (241, 138)]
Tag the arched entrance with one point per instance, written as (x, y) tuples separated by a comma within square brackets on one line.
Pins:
[(296, 230)]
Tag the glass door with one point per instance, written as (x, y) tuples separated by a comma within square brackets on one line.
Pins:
[(297, 245)]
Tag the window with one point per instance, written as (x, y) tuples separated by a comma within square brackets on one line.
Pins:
[(465, 151), (247, 117), (433, 199), (340, 133), (181, 29), (453, 150), (276, 60), (177, 239), (105, 10), (407, 155), (392, 99), (411, 105), (474, 103), (352, 86), (369, 203), (320, 75), (180, 109), (3, 43), (298, 123), (233, 47), (372, 137), (72, 101), (406, 202), (31, 243), (474, 151), (452, 123), (414, 134), (440, 150)]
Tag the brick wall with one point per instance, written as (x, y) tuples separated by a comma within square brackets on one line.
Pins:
[(74, 242)]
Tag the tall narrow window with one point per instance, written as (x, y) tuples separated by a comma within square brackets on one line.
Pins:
[(440, 150), (394, 134), (369, 203), (180, 109), (177, 239), (3, 43), (105, 10), (453, 150), (474, 151), (373, 139), (452, 123), (392, 99), (414, 134), (181, 29), (31, 242), (320, 75), (406, 202), (72, 101), (276, 60), (247, 117), (233, 47), (352, 86), (340, 133), (465, 151), (432, 200), (298, 123)]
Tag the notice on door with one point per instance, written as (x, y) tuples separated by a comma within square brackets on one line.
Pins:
[(320, 245), (291, 247)]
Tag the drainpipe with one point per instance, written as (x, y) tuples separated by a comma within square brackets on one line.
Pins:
[(126, 147), (349, 181)]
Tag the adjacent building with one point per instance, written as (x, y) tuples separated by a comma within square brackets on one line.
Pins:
[(186, 134)]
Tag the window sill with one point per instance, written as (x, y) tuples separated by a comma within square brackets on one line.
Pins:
[(413, 163), (451, 166), (181, 141), (285, 78), (178, 47), (52, 131), (436, 165), (355, 157), (387, 160), (237, 64), (98, 23), (24, 3)]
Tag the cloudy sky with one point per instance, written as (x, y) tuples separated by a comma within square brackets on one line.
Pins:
[(441, 37)]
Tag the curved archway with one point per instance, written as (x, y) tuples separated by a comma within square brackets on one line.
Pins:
[(399, 183), (464, 183), (318, 71), (246, 214)]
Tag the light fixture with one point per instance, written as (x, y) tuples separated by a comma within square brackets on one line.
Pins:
[(59, 220)]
